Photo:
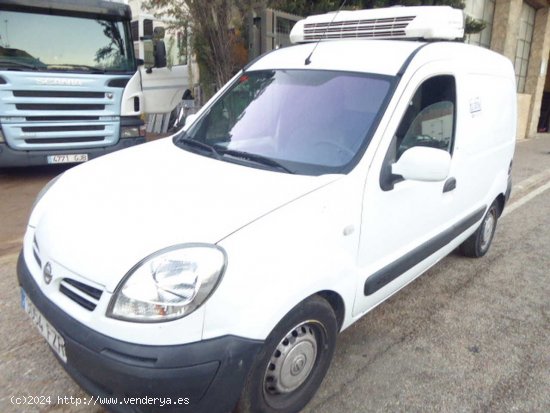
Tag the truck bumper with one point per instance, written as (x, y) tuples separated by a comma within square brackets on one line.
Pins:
[(12, 158), (205, 376)]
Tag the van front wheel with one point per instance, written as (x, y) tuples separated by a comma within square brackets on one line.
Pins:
[(293, 361), (479, 242)]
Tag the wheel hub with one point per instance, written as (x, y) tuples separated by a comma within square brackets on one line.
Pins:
[(292, 361)]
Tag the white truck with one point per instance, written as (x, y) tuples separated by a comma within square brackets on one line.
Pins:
[(216, 267), (71, 88)]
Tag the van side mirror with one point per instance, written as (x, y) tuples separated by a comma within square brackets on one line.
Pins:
[(421, 163)]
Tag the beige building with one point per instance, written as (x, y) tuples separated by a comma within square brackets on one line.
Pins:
[(520, 30)]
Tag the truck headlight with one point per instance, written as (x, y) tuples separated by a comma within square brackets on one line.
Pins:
[(168, 284)]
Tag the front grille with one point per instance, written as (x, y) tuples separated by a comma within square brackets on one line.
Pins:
[(36, 252), (58, 106), (66, 140), (62, 128), (366, 28), (83, 294), (59, 118), (57, 94)]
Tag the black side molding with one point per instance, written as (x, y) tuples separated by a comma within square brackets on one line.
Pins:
[(392, 271)]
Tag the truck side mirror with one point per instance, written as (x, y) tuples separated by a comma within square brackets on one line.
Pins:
[(421, 163), (159, 53)]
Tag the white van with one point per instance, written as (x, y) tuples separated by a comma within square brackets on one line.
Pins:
[(215, 268)]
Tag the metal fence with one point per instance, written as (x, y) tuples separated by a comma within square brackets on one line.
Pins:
[(269, 29)]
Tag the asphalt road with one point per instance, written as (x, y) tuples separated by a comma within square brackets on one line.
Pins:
[(469, 335)]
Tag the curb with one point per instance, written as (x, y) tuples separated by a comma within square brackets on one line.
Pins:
[(528, 185)]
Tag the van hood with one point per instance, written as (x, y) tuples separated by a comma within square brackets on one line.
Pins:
[(102, 217)]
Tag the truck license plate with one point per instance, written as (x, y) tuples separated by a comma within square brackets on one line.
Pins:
[(51, 335), (72, 158)]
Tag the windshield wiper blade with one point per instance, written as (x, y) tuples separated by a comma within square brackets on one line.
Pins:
[(19, 66), (76, 67), (264, 160), (198, 144)]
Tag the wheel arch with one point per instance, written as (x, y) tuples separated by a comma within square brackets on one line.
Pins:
[(337, 303), (500, 201)]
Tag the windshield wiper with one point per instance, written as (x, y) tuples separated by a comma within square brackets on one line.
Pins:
[(11, 65), (264, 160), (198, 144), (76, 67)]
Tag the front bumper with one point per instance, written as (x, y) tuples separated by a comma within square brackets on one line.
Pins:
[(10, 157), (209, 374)]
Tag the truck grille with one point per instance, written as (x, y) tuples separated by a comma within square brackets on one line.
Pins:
[(59, 118), (65, 140), (37, 117), (57, 94), (58, 106), (83, 294), (62, 128)]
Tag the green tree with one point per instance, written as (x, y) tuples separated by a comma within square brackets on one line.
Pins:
[(215, 36)]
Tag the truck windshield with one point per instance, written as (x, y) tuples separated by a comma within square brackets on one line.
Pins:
[(300, 121), (46, 42)]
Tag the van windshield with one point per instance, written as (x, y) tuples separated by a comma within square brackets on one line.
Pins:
[(298, 121)]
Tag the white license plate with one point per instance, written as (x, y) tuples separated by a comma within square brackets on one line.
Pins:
[(72, 158), (51, 335)]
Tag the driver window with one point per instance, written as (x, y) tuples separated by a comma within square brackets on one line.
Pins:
[(429, 120)]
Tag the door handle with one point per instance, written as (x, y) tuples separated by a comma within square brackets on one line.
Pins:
[(450, 185)]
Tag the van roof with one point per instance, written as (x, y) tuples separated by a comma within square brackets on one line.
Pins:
[(384, 57)]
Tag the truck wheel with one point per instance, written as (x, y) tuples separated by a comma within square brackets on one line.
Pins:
[(293, 361), (479, 242)]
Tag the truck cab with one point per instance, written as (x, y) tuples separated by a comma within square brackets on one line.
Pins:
[(70, 88)]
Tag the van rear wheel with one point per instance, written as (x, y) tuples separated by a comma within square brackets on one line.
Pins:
[(478, 243), (293, 361)]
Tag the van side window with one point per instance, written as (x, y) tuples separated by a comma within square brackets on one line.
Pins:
[(430, 117)]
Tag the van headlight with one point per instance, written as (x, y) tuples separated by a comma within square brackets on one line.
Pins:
[(168, 284)]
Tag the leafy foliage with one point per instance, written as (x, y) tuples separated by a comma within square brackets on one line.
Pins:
[(216, 41)]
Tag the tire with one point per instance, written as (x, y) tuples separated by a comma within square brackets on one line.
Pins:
[(478, 243), (293, 361)]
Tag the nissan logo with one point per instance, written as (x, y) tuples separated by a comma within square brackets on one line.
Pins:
[(47, 273)]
